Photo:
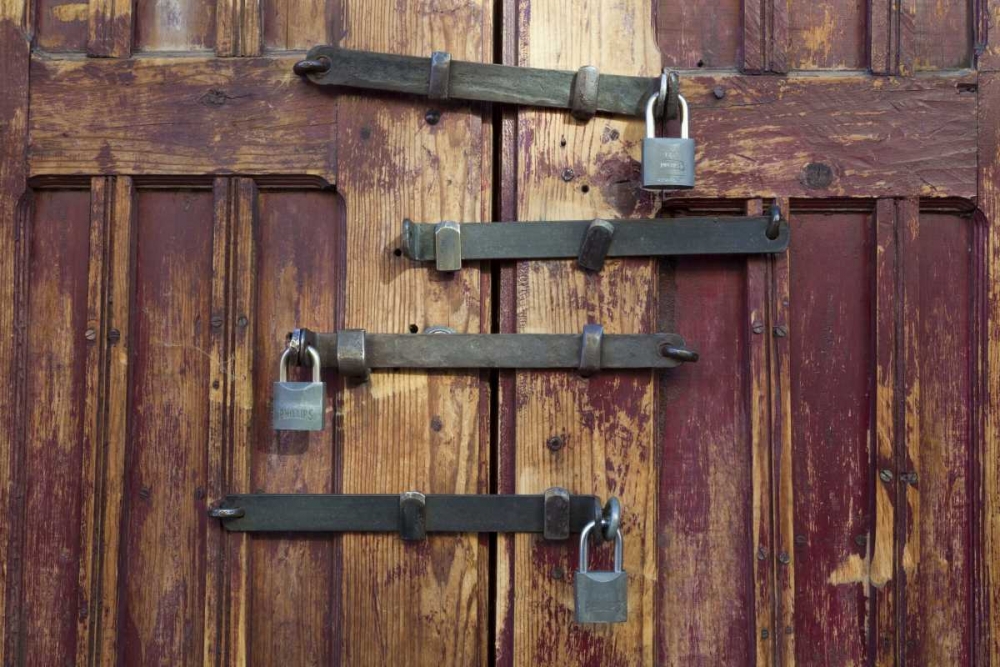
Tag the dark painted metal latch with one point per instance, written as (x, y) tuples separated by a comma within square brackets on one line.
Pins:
[(354, 352), (556, 514), (584, 92), (447, 244)]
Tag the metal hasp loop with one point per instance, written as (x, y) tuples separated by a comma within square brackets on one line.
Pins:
[(555, 515), (585, 92), (356, 352), (591, 242)]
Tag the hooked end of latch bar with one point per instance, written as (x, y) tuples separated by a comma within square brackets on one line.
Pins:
[(318, 65), (679, 353), (774, 226)]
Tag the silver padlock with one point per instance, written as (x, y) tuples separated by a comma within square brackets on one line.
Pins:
[(601, 597), (667, 163), (299, 406)]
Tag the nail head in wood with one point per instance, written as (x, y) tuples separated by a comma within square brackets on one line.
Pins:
[(440, 78), (583, 99), (595, 246)]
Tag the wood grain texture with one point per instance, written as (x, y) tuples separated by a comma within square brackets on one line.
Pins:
[(943, 32), (105, 428), (826, 35), (802, 136), (765, 36), (239, 29), (14, 55), (175, 25), (295, 607), (830, 360), (57, 312), (109, 28), (936, 554), (783, 455), (692, 34), (762, 503), (234, 321), (987, 575), (60, 26), (426, 603), (986, 44), (301, 24), (891, 36), (706, 588), (164, 534), (606, 423)]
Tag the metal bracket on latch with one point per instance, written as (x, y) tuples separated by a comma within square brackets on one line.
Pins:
[(354, 352), (584, 92), (556, 514), (447, 244)]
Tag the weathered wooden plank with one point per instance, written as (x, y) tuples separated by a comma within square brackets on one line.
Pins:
[(826, 36), (404, 166), (783, 460), (234, 283), (765, 36), (891, 37), (164, 542), (175, 25), (598, 435), (239, 29), (301, 24), (936, 555), (986, 44), (14, 55), (57, 314), (695, 34), (830, 365), (942, 34), (987, 574), (60, 26), (105, 406), (109, 28), (803, 136), (294, 595), (705, 496), (761, 544)]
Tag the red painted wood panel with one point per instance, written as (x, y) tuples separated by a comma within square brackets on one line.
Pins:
[(832, 365), (704, 559), (61, 25), (698, 34), (827, 35), (937, 550), (300, 267), (56, 316), (163, 550)]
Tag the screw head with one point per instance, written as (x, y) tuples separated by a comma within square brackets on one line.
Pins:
[(757, 327), (885, 475), (433, 116), (555, 443), (780, 331), (719, 92), (90, 334), (568, 175), (784, 558), (114, 336)]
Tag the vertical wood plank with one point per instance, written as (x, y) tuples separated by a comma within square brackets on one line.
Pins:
[(174, 25), (300, 280), (782, 459), (234, 282), (164, 539), (762, 632), (239, 29), (606, 424), (109, 28), (765, 36), (56, 313), (695, 34), (413, 430), (105, 428), (987, 574), (891, 36), (14, 58)]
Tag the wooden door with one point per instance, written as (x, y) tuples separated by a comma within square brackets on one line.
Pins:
[(821, 488)]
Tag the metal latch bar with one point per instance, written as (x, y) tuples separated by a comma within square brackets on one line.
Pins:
[(353, 352), (565, 239), (555, 514), (584, 91)]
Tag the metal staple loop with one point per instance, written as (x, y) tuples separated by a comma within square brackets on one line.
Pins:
[(352, 358), (583, 98), (439, 84), (595, 246), (590, 349)]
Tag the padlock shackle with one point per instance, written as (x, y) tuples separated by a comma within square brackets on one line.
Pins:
[(286, 358), (650, 123), (619, 548)]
